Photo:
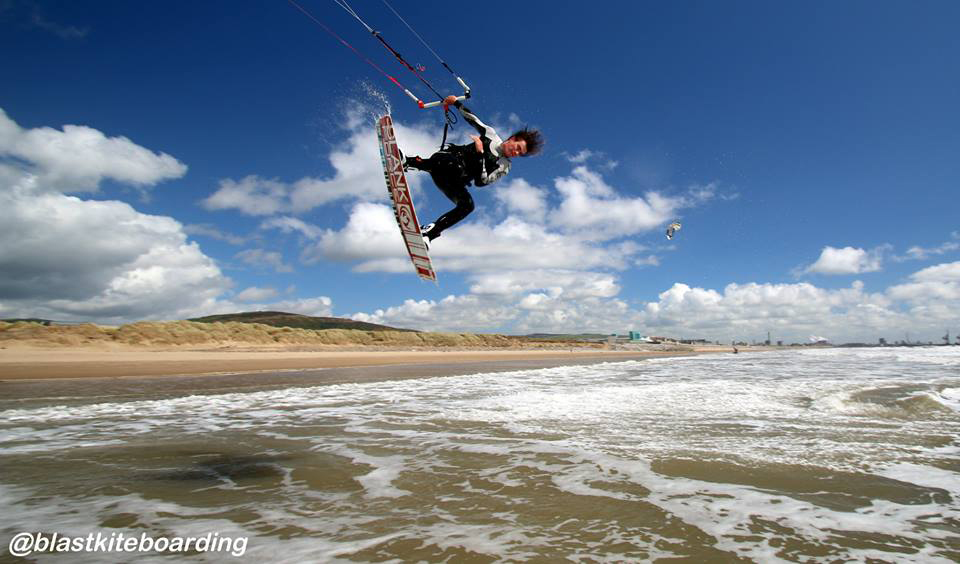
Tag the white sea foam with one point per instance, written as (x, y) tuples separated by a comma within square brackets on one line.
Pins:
[(588, 432), (950, 397), (924, 475)]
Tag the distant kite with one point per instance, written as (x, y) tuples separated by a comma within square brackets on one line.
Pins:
[(672, 228)]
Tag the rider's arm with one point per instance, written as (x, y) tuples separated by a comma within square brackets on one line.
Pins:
[(483, 129), (489, 177)]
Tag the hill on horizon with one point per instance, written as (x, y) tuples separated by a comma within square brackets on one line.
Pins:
[(296, 320)]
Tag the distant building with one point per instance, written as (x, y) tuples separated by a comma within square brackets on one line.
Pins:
[(636, 337)]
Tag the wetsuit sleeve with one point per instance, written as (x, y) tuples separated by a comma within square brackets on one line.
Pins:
[(483, 129), (489, 177)]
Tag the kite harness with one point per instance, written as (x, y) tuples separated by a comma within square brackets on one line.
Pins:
[(415, 69)]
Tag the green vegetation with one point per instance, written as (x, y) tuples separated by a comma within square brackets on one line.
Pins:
[(281, 319), (27, 320)]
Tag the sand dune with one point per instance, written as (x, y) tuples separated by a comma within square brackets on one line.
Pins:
[(191, 334), (31, 350)]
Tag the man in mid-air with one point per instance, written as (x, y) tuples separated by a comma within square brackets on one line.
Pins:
[(482, 162)]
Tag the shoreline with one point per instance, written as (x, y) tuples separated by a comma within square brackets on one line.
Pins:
[(19, 364)]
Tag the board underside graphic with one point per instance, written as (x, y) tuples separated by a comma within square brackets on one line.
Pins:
[(402, 202)]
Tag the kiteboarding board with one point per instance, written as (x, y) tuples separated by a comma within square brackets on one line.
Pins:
[(402, 202)]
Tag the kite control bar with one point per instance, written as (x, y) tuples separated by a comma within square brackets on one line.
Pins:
[(439, 102)]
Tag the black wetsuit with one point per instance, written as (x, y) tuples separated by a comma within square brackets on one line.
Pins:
[(457, 166)]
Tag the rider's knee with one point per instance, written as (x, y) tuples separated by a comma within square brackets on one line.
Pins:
[(466, 204)]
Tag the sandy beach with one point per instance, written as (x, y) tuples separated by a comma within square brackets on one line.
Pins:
[(32, 363), (32, 351)]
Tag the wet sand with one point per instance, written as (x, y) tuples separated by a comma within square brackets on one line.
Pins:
[(29, 364)]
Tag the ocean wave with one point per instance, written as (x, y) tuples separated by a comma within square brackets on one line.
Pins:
[(916, 406)]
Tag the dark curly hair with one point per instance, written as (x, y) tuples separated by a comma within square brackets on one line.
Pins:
[(533, 138)]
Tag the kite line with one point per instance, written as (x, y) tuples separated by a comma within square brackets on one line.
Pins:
[(417, 70)]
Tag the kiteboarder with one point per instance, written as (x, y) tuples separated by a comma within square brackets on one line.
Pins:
[(482, 162)]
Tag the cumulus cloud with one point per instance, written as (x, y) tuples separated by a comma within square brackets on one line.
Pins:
[(251, 195), (792, 311), (936, 285), (63, 257), (288, 224), (67, 258), (568, 284), (255, 294), (529, 236), (256, 299), (370, 236), (848, 260), (453, 313), (563, 301), (591, 205), (521, 198), (585, 155), (357, 174), (581, 157), (321, 306), (923, 253), (77, 158)]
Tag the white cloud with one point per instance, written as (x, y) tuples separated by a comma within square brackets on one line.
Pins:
[(923, 253), (936, 285), (77, 158), (251, 195), (63, 257), (585, 155), (371, 235), (321, 306), (255, 294), (561, 301), (453, 313), (793, 311), (213, 232), (260, 258), (520, 197), (568, 284), (67, 258), (649, 260), (289, 224), (848, 260), (358, 174), (591, 205)]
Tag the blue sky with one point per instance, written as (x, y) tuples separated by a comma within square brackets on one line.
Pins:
[(166, 160)]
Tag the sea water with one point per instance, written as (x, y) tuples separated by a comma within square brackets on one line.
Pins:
[(822, 455)]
